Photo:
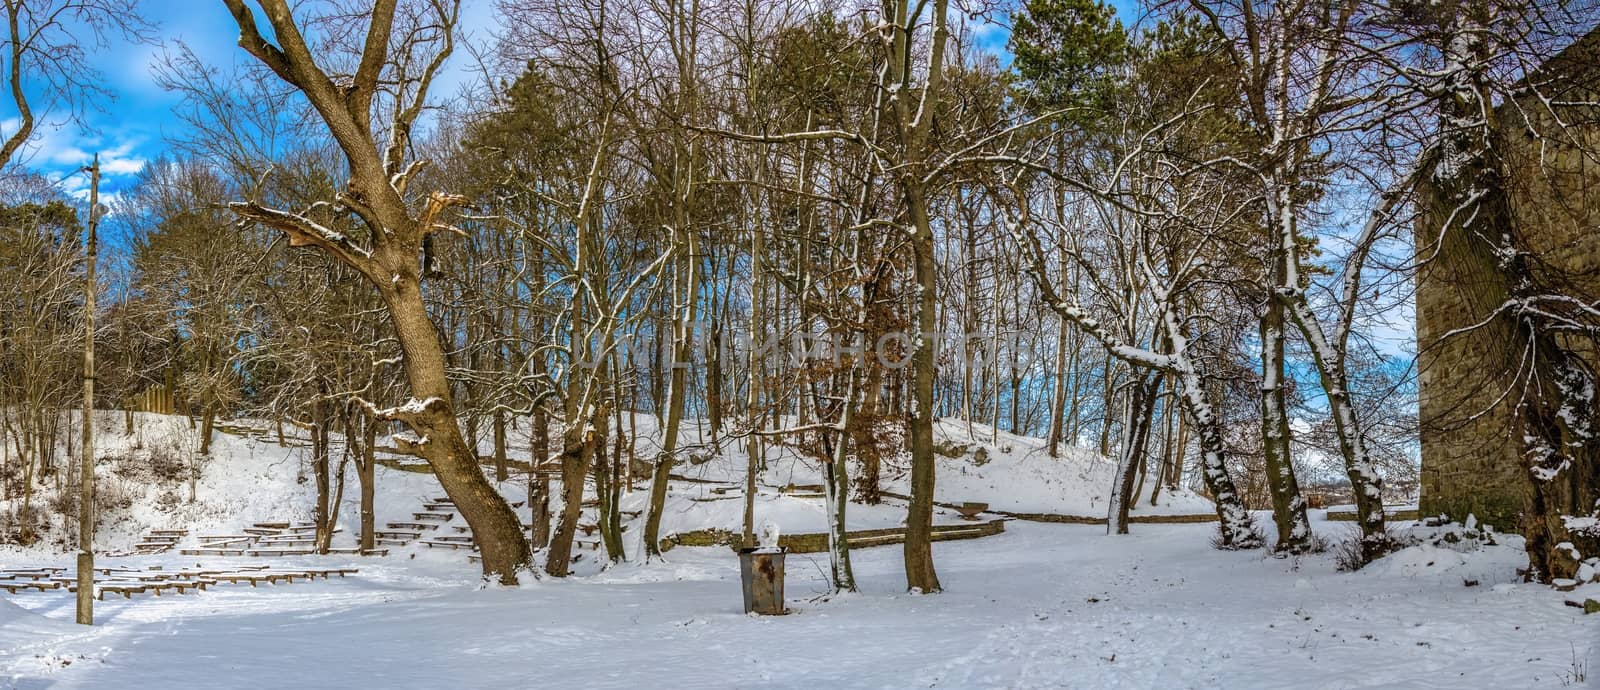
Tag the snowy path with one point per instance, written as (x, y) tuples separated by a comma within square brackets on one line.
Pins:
[(1041, 606)]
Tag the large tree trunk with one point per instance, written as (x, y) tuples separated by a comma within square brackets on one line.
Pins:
[(1288, 507), (1136, 436), (494, 526), (319, 468), (580, 443), (499, 446), (364, 473), (687, 297), (920, 574)]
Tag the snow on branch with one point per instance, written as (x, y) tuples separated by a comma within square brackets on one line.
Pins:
[(303, 232)]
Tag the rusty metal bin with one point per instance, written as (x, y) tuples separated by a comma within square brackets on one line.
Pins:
[(761, 574)]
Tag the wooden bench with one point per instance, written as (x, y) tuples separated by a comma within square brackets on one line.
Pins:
[(14, 587), (433, 516), (285, 541), (169, 532), (126, 589), (439, 506), (216, 543), (262, 531), (253, 578), (430, 543), (397, 535), (279, 552), (417, 526), (271, 525), (211, 552)]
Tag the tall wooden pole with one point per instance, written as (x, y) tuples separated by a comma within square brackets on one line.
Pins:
[(86, 478)]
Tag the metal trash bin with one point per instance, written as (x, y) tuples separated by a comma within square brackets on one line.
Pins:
[(761, 574)]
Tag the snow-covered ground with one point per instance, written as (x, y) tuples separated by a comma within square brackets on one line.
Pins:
[(1042, 605)]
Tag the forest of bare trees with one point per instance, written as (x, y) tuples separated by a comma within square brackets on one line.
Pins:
[(1186, 243)]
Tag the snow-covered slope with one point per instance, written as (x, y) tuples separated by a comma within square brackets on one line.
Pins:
[(250, 478)]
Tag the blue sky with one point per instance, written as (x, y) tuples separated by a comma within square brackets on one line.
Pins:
[(130, 130)]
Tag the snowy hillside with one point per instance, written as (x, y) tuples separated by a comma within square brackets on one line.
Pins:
[(250, 478)]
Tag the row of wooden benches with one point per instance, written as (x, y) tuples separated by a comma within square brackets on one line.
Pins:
[(128, 582)]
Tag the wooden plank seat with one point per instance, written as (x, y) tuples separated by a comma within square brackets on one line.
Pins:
[(414, 525), (15, 587), (441, 499), (279, 552), (126, 589), (253, 577), (212, 552), (431, 543), (433, 516), (385, 541), (173, 532), (223, 537), (164, 538), (463, 529), (146, 545), (285, 541), (375, 552), (591, 544), (261, 531), (35, 573), (298, 529), (271, 525), (217, 543), (400, 534), (438, 506), (458, 538)]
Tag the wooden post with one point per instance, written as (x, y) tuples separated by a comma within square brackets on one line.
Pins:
[(86, 480)]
